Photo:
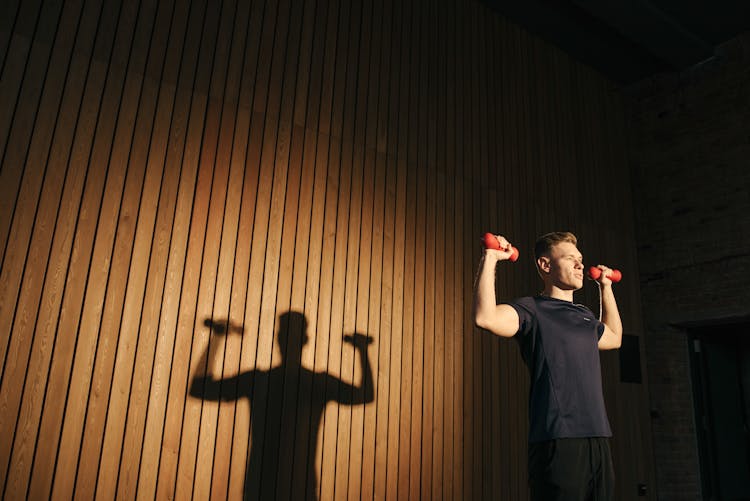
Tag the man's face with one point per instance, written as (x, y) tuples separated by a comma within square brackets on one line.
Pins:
[(565, 265)]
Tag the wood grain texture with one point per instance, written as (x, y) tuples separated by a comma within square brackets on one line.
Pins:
[(201, 202)]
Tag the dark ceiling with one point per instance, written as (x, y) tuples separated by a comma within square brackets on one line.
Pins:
[(629, 40)]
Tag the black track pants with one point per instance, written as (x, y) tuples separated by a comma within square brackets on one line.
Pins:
[(571, 469)]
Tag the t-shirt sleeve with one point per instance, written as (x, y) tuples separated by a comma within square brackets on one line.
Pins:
[(525, 309), (599, 329)]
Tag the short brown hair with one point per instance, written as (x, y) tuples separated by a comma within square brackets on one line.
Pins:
[(544, 244)]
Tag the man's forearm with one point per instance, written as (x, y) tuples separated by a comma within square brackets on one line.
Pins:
[(610, 315), (485, 299), (203, 377), (367, 383)]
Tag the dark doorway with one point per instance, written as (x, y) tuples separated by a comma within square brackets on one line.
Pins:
[(720, 360)]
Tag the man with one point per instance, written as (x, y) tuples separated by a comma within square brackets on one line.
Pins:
[(569, 456)]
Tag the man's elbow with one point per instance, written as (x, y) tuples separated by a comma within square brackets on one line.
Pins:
[(617, 340), (610, 343), (483, 317), (481, 321)]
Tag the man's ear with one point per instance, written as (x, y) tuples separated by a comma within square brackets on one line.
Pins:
[(543, 263)]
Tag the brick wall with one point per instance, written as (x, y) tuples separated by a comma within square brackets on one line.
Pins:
[(690, 157)]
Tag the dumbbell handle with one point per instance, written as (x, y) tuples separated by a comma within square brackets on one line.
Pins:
[(491, 242), (595, 273)]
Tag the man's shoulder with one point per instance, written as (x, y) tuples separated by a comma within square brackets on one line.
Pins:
[(526, 303), (525, 300)]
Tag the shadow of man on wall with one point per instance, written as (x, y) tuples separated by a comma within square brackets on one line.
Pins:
[(277, 415)]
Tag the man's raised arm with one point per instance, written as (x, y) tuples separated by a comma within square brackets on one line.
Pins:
[(499, 319), (609, 314)]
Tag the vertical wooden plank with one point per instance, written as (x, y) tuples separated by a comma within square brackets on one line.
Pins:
[(54, 242), (321, 251), (486, 198), (511, 220), (458, 243), (349, 223), (97, 375), (493, 445), (151, 349), (299, 360), (396, 133), (373, 210), (218, 253), (406, 147), (282, 230), (94, 298), (198, 174), (502, 393), (302, 479), (505, 354), (437, 145), (373, 327), (200, 148), (143, 106), (156, 213), (267, 409), (76, 158), (441, 392), (467, 330), (233, 364), (381, 306), (474, 225), (478, 176), (416, 313), (22, 277), (425, 154), (336, 439), (492, 439), (330, 158), (462, 249), (40, 482), (33, 215), (353, 157), (450, 471), (362, 241), (20, 101), (508, 194), (21, 29), (21, 93), (178, 154), (85, 248), (226, 182), (8, 17), (526, 218), (418, 161), (194, 467), (336, 234)]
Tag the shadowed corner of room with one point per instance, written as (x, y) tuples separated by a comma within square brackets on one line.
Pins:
[(287, 403)]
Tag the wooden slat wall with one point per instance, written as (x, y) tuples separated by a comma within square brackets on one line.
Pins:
[(174, 170)]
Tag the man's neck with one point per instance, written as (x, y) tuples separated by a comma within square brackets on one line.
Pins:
[(557, 293)]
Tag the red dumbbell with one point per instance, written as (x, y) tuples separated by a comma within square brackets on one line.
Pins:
[(491, 242), (594, 273)]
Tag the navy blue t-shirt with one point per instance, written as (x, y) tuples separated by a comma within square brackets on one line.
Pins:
[(558, 341)]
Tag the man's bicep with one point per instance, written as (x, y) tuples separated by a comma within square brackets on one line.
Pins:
[(505, 321)]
